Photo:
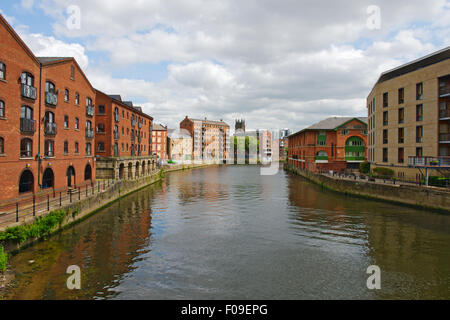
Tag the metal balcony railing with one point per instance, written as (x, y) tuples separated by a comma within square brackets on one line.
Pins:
[(27, 91), (117, 117), (27, 125), (429, 161), (89, 133), (444, 114), (444, 91), (116, 135), (444, 137), (50, 128), (90, 111), (51, 98)]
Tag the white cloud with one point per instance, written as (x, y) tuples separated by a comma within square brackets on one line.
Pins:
[(27, 4)]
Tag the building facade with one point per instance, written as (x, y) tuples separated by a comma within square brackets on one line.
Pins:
[(409, 116), (179, 145), (159, 141), (43, 142), (211, 139), (336, 143)]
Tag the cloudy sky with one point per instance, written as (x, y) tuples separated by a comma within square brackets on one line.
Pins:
[(276, 63)]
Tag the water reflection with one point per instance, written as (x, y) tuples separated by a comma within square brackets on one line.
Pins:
[(229, 233)]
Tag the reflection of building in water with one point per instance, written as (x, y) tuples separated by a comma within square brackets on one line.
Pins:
[(179, 145), (210, 138)]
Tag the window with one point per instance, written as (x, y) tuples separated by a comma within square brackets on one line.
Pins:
[(27, 79), (88, 125), (321, 139), (419, 134), (385, 118), (88, 148), (2, 109), (48, 179), (77, 98), (77, 124), (66, 122), (2, 145), (66, 147), (101, 147), (49, 148), (401, 155), (50, 87), (385, 154), (26, 112), (2, 71), (385, 99), (401, 96), (419, 91), (66, 95), (26, 148), (401, 115), (76, 148), (101, 109), (72, 72), (419, 112), (419, 152), (343, 132), (101, 128), (88, 102), (401, 135), (385, 136), (123, 114)]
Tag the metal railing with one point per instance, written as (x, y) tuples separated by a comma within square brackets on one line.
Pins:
[(444, 137), (50, 128), (444, 113), (27, 91), (429, 161), (27, 125), (89, 133), (90, 111), (116, 135), (51, 98)]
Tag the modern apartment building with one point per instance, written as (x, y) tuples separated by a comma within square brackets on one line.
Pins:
[(336, 143), (122, 138), (159, 141), (409, 117), (211, 139), (45, 119)]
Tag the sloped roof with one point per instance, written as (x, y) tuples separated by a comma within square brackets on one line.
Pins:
[(211, 121), (45, 60), (117, 97), (128, 103), (159, 127), (138, 108), (333, 122)]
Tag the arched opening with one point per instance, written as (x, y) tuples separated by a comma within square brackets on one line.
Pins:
[(121, 171), (130, 171), (149, 166), (137, 170), (143, 169), (70, 173), (321, 156), (26, 182), (88, 172), (48, 179), (355, 149)]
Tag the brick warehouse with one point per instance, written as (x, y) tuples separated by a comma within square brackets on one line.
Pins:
[(46, 120), (159, 141), (336, 143)]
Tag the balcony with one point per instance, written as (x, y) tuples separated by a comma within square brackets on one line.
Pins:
[(429, 162), (90, 111), (444, 114), (444, 91), (51, 99), (27, 125), (89, 133), (50, 128), (27, 91), (116, 135), (444, 137)]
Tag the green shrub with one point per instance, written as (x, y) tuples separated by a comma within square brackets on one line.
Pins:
[(383, 172), (364, 167), (438, 181), (3, 259)]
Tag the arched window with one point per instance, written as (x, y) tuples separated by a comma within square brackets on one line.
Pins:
[(88, 148), (66, 147), (49, 117), (355, 141), (76, 148), (77, 98), (77, 123), (2, 108), (26, 148), (48, 179), (2, 145), (26, 112), (88, 125), (116, 149), (66, 95), (50, 87), (88, 102), (88, 172), (26, 182), (27, 78), (2, 71)]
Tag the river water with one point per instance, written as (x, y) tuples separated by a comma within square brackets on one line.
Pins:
[(230, 233)]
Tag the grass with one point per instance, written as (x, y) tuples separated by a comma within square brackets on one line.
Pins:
[(3, 259)]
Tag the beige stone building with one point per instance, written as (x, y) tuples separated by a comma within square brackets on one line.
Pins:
[(210, 139), (179, 145), (409, 118)]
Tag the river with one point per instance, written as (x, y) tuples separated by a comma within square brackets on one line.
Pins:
[(230, 233)]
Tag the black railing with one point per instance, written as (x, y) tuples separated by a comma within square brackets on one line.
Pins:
[(90, 111), (89, 133), (27, 91), (116, 135), (27, 125), (117, 117), (51, 98), (50, 128)]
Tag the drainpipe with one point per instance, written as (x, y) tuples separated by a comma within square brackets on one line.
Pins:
[(39, 126)]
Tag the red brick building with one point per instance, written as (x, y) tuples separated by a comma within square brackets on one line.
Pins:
[(159, 141), (44, 143), (121, 128), (335, 143)]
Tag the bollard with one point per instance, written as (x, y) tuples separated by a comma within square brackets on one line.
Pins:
[(48, 202), (86, 191), (99, 186), (17, 212), (79, 194), (70, 196), (60, 198), (34, 206)]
